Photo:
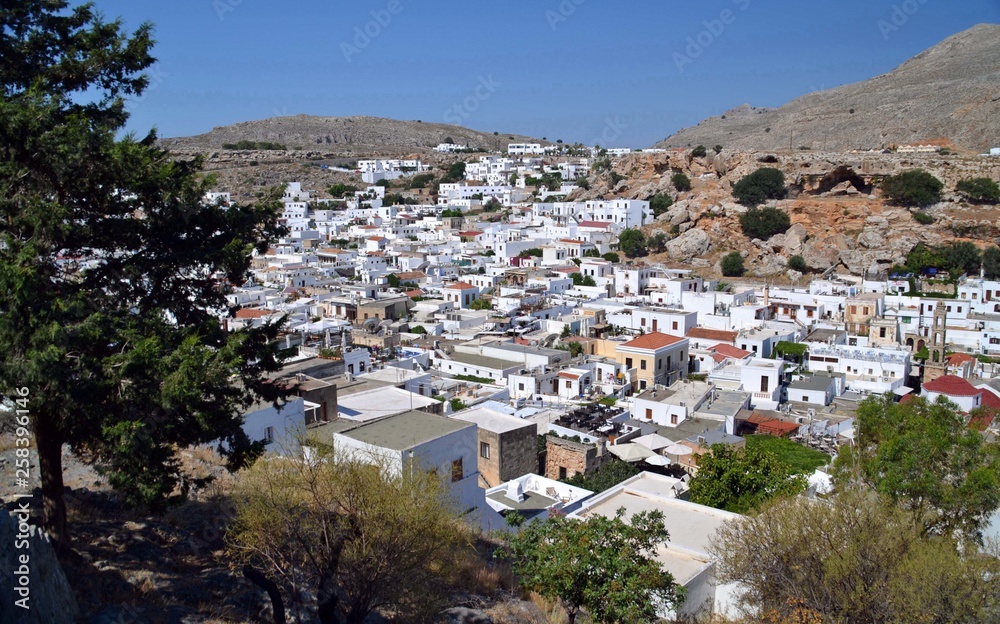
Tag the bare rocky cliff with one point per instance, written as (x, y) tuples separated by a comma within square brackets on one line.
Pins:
[(949, 93), (839, 218)]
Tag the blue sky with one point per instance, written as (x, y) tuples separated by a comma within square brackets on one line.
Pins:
[(579, 70)]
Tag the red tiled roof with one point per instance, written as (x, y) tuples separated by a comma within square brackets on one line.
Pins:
[(253, 313), (565, 375), (595, 224), (652, 341), (711, 334), (956, 359), (460, 286), (571, 241), (990, 400), (729, 351), (377, 238), (567, 269), (952, 385), (470, 233), (414, 293)]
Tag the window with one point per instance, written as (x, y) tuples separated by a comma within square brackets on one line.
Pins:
[(649, 413), (269, 434), (628, 362), (659, 364), (520, 386), (673, 419), (484, 450), (562, 472), (642, 364), (569, 384), (881, 332), (457, 473), (642, 322), (854, 309), (674, 325), (763, 384)]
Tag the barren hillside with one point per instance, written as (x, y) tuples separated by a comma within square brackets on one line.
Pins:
[(950, 92)]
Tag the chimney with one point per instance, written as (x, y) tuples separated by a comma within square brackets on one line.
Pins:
[(515, 491), (701, 440)]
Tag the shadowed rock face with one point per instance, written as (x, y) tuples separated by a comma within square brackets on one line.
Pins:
[(950, 92), (50, 598)]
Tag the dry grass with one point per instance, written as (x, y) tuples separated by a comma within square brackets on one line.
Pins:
[(477, 575)]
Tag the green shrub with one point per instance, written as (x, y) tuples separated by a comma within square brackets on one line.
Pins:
[(923, 218), (761, 185), (699, 151), (681, 182), (632, 243), (979, 190), (763, 223), (915, 187), (660, 203), (732, 264), (798, 263)]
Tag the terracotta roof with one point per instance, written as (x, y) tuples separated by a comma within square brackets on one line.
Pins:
[(468, 233), (460, 286), (990, 399), (571, 241), (411, 275), (377, 238), (952, 385), (414, 293), (652, 341), (567, 269), (956, 359), (565, 375), (712, 334), (729, 351), (253, 313), (595, 224)]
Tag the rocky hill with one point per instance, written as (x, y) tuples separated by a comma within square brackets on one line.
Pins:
[(839, 219), (949, 93), (347, 136)]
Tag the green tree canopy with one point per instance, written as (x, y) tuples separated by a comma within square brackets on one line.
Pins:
[(798, 263), (681, 182), (979, 190), (991, 262), (742, 479), (612, 257), (113, 271), (763, 223), (699, 151), (604, 565), (632, 243), (761, 185), (732, 264), (914, 187), (659, 203), (922, 456)]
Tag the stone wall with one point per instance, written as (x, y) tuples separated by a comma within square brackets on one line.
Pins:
[(574, 457), (518, 452)]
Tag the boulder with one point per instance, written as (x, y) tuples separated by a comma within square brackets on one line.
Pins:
[(820, 255), (795, 237), (871, 239), (776, 242), (464, 615), (690, 244), (770, 265)]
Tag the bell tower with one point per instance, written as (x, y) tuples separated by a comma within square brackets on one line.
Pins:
[(935, 366)]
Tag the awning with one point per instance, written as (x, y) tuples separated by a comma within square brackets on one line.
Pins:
[(630, 452), (902, 391)]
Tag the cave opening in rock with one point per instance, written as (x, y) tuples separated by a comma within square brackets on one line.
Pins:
[(840, 175)]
